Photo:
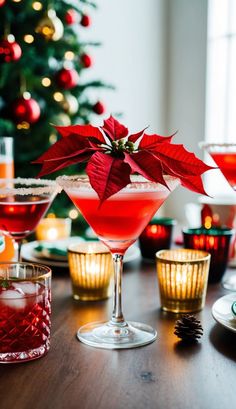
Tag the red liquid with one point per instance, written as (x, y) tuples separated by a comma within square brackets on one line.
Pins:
[(19, 215), (227, 165), (122, 217), (24, 322)]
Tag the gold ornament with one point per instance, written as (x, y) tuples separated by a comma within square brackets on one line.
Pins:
[(61, 120), (70, 104), (50, 26)]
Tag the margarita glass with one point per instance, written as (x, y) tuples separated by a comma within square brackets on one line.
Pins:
[(23, 202), (224, 155), (118, 222)]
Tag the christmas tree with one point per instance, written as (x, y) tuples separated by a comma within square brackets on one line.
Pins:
[(42, 60)]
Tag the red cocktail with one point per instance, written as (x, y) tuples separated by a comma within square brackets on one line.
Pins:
[(23, 202), (25, 308), (118, 222)]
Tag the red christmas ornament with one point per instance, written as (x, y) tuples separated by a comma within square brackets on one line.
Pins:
[(67, 79), (25, 110), (2, 2), (85, 20), (71, 17), (86, 60), (9, 51), (99, 108)]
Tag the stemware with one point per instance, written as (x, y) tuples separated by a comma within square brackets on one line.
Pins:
[(118, 222), (224, 155), (23, 202)]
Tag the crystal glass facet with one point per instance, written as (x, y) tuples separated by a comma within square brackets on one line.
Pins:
[(118, 222)]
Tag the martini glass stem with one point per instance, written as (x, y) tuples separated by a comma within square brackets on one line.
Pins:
[(18, 244), (117, 315)]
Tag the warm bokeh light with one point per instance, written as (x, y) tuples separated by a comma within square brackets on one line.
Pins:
[(69, 55), (37, 5), (46, 82), (58, 96), (28, 38), (73, 214)]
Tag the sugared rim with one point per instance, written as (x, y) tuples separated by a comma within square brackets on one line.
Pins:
[(41, 186), (46, 274), (138, 182), (206, 145)]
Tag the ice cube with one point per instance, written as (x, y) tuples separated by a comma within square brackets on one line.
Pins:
[(13, 299), (25, 287)]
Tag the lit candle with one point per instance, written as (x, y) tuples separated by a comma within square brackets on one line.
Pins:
[(182, 279), (53, 229), (215, 241), (91, 270), (156, 236)]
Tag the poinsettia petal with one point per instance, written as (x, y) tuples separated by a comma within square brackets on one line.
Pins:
[(193, 183), (114, 129), (181, 161), (53, 166), (87, 131), (65, 148), (107, 175), (151, 141), (147, 165), (134, 137)]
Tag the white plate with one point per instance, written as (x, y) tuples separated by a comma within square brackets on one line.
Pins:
[(222, 313), (28, 253)]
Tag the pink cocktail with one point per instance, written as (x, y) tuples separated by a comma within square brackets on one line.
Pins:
[(25, 309), (23, 202), (118, 222)]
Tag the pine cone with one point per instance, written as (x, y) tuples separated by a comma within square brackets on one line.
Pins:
[(188, 328)]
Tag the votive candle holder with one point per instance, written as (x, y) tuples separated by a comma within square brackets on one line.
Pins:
[(182, 278), (53, 228), (156, 236), (215, 241), (91, 270)]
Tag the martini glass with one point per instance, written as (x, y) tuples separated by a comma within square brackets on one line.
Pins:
[(118, 222), (224, 155), (23, 202)]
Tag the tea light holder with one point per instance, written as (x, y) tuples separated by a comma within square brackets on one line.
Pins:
[(156, 236), (182, 277), (53, 229), (215, 241), (91, 271)]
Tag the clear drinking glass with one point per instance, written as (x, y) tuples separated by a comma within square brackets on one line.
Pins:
[(25, 309), (23, 202), (224, 155), (6, 157), (118, 222)]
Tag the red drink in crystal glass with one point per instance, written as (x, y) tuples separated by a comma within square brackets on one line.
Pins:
[(227, 164), (25, 309)]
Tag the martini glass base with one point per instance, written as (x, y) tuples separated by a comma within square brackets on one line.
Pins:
[(108, 336)]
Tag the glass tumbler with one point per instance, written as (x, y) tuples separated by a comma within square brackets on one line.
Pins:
[(25, 309)]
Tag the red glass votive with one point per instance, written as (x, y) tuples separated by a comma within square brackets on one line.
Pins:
[(215, 241), (156, 236)]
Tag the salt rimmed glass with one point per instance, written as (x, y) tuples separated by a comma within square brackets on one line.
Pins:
[(224, 155), (23, 202), (118, 222)]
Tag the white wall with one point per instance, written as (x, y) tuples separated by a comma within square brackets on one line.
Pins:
[(154, 52)]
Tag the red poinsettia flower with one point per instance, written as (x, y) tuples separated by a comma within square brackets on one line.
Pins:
[(112, 155)]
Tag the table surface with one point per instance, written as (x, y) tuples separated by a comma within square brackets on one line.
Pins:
[(164, 374)]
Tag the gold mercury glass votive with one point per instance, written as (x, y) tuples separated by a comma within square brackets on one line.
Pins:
[(91, 270), (182, 277)]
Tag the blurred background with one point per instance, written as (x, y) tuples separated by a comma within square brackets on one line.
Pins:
[(168, 64)]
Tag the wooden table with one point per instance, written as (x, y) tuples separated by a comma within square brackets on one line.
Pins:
[(161, 375)]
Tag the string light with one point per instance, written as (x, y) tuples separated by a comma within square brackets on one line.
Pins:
[(73, 214), (69, 55), (58, 96), (46, 82), (52, 138), (16, 1), (23, 125), (37, 6), (26, 95), (28, 38)]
